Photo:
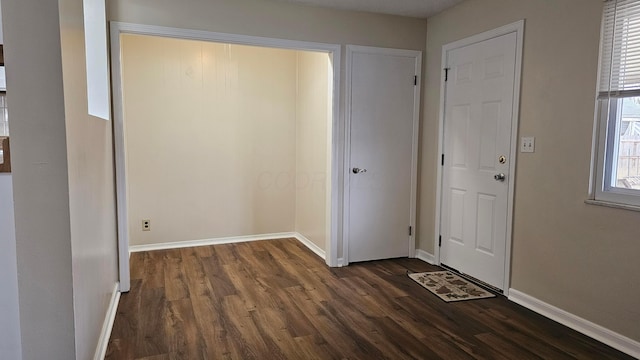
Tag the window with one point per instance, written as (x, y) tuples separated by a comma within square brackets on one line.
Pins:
[(95, 40), (4, 118), (617, 152)]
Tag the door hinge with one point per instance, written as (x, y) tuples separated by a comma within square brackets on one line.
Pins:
[(410, 230), (446, 74), (415, 80), (440, 241), (442, 160)]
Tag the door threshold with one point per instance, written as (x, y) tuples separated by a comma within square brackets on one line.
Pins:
[(478, 282)]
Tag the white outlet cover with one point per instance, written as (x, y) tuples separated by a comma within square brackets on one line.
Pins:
[(146, 225), (527, 144)]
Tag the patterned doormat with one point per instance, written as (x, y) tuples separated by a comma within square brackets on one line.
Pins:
[(450, 287)]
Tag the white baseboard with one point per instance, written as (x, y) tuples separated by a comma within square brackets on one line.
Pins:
[(425, 256), (311, 245), (206, 242), (231, 240), (107, 326), (595, 331)]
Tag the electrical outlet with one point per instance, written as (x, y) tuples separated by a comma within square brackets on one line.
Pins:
[(528, 144), (146, 225)]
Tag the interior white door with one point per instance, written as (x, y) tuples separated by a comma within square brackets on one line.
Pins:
[(382, 112), (477, 146)]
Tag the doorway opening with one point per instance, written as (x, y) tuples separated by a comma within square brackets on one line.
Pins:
[(223, 138)]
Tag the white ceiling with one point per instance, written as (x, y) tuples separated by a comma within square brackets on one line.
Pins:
[(412, 8)]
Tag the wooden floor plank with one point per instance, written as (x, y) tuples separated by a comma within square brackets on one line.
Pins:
[(175, 284), (196, 280), (137, 265), (151, 338), (183, 337), (277, 300), (152, 269)]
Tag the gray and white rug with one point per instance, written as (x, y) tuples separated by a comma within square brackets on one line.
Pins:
[(449, 286)]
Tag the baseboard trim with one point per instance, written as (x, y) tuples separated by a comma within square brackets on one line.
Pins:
[(107, 326), (207, 242), (311, 245), (586, 327), (230, 240), (425, 256)]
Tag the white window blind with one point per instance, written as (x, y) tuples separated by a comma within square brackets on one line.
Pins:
[(620, 50)]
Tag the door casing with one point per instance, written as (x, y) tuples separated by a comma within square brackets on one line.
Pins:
[(518, 28), (351, 50)]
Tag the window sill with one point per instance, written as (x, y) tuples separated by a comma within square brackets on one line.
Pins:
[(612, 205)]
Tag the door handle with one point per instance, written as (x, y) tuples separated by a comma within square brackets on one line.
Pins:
[(358, 170), (499, 177)]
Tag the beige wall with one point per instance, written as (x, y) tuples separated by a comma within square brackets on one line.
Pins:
[(62, 180), (91, 189), (224, 140), (9, 307), (313, 128), (580, 258), (210, 134), (40, 178)]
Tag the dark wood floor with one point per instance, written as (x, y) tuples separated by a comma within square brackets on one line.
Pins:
[(277, 300)]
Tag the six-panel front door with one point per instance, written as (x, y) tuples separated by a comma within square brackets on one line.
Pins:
[(477, 146)]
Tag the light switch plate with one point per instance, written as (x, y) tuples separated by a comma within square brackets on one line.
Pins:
[(528, 144)]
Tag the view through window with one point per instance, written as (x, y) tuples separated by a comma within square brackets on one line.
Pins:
[(627, 145), (4, 119), (4, 123)]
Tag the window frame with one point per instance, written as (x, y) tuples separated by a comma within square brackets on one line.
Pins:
[(605, 143)]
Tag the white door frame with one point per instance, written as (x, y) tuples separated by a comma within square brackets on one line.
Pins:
[(337, 136), (518, 28), (351, 49)]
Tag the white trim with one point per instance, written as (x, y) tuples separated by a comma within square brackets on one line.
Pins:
[(417, 55), (586, 327), (207, 242), (415, 145), (310, 245), (439, 155), (346, 164), (120, 161), (337, 155), (118, 28), (233, 240), (518, 28), (107, 326), (425, 256), (612, 205), (178, 33)]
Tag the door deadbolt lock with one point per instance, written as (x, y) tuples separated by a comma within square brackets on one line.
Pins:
[(358, 170), (502, 159)]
